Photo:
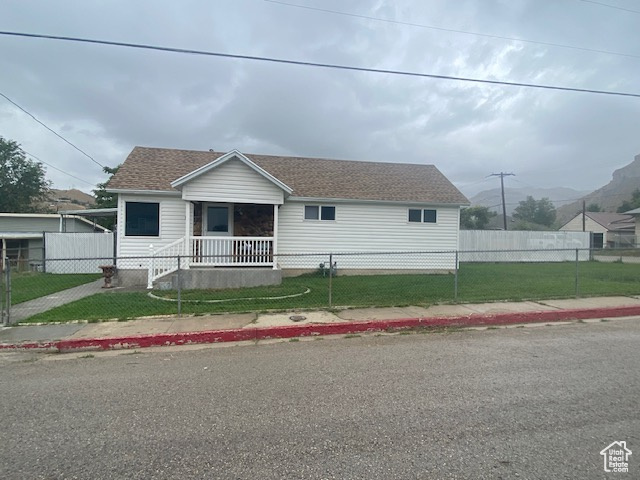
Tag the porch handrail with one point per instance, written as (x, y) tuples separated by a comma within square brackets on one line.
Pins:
[(231, 251), (210, 252), (164, 260)]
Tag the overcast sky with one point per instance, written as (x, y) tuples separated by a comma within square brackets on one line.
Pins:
[(106, 99)]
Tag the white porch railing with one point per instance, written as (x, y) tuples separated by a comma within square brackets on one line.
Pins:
[(210, 252), (164, 260), (231, 251)]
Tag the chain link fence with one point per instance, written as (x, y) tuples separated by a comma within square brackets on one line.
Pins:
[(212, 284)]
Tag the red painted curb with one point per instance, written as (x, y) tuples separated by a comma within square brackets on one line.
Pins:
[(305, 330)]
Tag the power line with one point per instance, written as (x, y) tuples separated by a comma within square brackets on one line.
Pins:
[(317, 64), (609, 6), (55, 168), (452, 30), (52, 131)]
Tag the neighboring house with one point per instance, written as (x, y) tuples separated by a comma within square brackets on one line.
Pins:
[(635, 213), (21, 234), (233, 209), (608, 229)]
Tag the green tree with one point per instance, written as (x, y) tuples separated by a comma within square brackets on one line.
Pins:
[(630, 204), (105, 199), (594, 207), (524, 225), (475, 218), (541, 212), (22, 181)]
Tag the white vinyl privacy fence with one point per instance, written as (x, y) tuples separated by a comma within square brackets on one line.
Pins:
[(523, 246), (88, 251)]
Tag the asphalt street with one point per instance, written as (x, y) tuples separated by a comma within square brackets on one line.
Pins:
[(533, 402)]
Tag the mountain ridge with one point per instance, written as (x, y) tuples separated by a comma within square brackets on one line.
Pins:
[(609, 197)]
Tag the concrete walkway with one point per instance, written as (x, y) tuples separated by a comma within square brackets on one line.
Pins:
[(26, 309), (237, 327)]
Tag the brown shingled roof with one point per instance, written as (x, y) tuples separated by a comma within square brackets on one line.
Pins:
[(155, 169), (613, 221)]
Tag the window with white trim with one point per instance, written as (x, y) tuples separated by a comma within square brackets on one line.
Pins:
[(142, 219), (422, 215), (319, 212)]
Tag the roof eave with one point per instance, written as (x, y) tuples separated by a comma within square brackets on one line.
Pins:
[(133, 191), (378, 201)]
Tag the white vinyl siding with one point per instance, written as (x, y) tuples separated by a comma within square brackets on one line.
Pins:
[(366, 228), (172, 228), (575, 225), (233, 182)]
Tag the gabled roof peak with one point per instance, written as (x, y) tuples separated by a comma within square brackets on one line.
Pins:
[(233, 154)]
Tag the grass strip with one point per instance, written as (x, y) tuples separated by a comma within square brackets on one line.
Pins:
[(477, 282)]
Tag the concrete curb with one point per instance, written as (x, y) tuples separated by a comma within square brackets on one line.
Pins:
[(305, 330)]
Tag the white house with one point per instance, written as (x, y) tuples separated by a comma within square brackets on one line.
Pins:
[(608, 229), (22, 235), (230, 210)]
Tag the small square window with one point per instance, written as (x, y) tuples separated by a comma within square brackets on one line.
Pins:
[(415, 215), (311, 212), (429, 216), (328, 213), (142, 219)]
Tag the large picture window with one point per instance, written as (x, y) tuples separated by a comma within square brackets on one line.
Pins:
[(142, 219), (319, 212)]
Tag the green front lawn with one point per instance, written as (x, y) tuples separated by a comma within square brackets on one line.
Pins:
[(28, 286), (477, 282)]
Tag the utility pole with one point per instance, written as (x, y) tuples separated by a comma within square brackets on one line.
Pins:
[(504, 206)]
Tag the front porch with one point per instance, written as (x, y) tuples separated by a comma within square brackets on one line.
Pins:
[(225, 235), (208, 252)]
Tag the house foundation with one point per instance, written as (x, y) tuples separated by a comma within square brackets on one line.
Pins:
[(202, 278), (220, 278)]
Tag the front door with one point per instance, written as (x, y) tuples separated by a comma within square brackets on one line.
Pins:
[(597, 240), (219, 221)]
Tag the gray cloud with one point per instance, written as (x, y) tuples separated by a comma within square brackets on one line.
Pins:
[(108, 100)]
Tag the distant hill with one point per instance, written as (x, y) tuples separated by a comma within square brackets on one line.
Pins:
[(513, 196), (69, 200), (623, 182)]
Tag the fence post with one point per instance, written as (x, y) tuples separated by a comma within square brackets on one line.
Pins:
[(115, 248), (2, 290), (330, 278), (455, 280), (44, 252), (179, 289), (7, 302), (577, 272)]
